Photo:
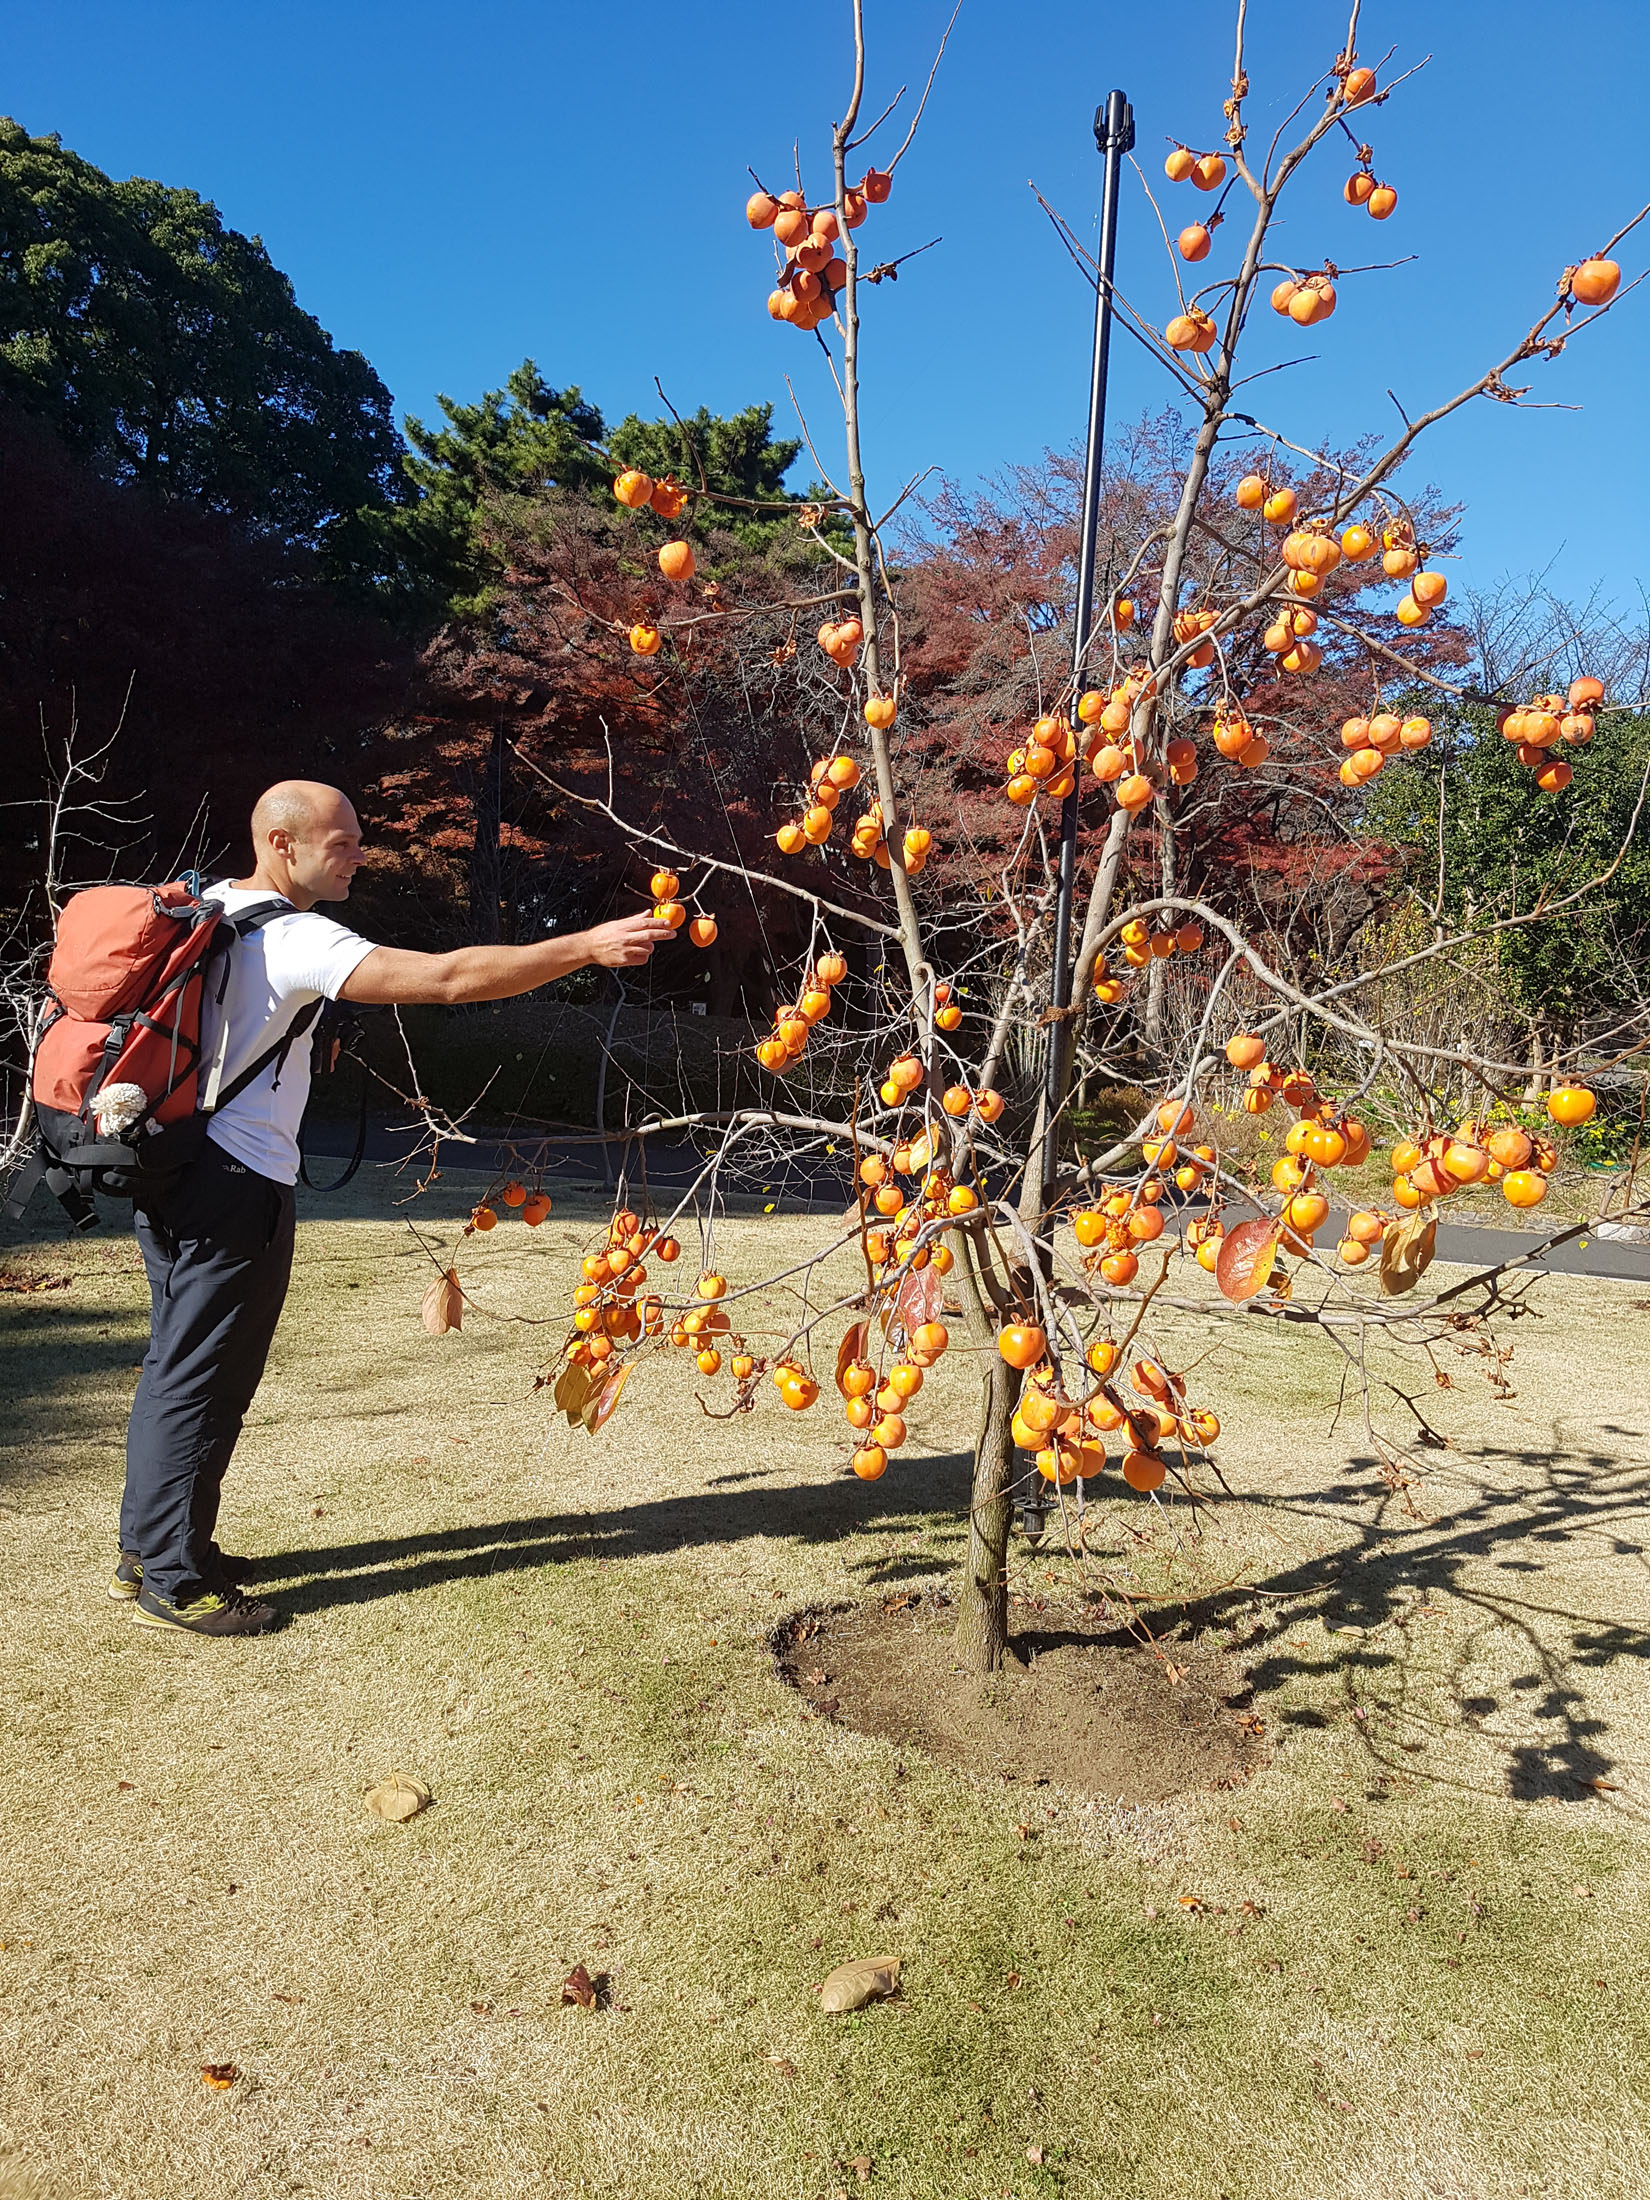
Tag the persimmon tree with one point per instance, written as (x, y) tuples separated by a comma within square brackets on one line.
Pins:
[(1269, 633)]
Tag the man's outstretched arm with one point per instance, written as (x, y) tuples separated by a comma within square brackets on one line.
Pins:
[(397, 975)]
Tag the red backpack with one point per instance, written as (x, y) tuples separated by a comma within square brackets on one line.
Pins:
[(121, 1096)]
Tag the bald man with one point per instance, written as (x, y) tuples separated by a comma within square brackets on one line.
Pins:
[(218, 1247)]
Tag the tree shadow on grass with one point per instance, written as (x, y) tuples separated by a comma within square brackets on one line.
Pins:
[(58, 1362), (1378, 1590), (1381, 1591)]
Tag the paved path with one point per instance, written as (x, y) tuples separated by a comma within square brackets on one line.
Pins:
[(819, 1184)]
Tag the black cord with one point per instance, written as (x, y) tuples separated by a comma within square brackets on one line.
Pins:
[(355, 1158)]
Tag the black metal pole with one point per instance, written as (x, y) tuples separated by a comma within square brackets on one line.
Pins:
[(1114, 135)]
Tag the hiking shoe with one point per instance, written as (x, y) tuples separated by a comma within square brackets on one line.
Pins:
[(218, 1612), (127, 1578)]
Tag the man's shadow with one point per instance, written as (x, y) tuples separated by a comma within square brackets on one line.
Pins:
[(746, 1504)]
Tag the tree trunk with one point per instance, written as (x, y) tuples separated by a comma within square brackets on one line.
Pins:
[(601, 1076), (982, 1616), (486, 869), (982, 1620), (1167, 883), (1532, 1090)]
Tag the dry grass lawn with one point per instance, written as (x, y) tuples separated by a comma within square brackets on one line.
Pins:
[(1441, 1988)]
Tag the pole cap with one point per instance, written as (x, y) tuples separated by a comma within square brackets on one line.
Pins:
[(1114, 125)]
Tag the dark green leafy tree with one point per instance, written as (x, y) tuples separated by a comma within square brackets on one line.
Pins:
[(736, 456), (517, 441), (170, 351), (528, 438), (1508, 849)]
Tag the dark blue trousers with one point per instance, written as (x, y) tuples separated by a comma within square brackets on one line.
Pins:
[(218, 1251)]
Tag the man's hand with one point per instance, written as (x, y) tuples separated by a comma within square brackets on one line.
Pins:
[(626, 941)]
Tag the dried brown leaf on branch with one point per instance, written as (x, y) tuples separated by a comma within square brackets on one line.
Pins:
[(919, 1298), (572, 1391), (603, 1403), (443, 1307), (1247, 1256), (1406, 1253), (851, 1348)]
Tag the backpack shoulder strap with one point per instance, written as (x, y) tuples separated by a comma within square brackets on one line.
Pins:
[(277, 1054), (253, 919), (217, 1095)]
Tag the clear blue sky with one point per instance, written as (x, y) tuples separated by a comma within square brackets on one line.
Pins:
[(452, 191)]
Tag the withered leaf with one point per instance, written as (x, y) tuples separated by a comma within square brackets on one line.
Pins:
[(1406, 1252), (572, 1391), (398, 1798), (852, 1985), (851, 1348), (1247, 1255), (219, 2075), (919, 1298), (603, 1403), (578, 1989), (443, 1307)]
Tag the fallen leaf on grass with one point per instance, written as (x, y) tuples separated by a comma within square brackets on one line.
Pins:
[(1584, 1894), (220, 2076), (852, 1985), (1192, 1902), (578, 1989), (398, 1798), (861, 2167), (1034, 2155), (443, 1307)]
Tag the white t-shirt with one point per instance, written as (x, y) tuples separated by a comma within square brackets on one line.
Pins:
[(273, 973)]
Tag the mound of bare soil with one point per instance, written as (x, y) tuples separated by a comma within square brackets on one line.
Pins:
[(1091, 1708)]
